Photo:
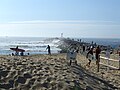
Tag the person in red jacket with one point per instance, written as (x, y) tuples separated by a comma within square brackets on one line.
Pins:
[(97, 51)]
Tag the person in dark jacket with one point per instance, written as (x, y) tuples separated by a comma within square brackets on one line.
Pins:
[(89, 54), (83, 48)]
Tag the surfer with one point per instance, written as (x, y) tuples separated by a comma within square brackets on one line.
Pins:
[(49, 51), (17, 50)]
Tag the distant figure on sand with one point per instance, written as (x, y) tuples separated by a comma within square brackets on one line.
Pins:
[(89, 56), (97, 51), (49, 51)]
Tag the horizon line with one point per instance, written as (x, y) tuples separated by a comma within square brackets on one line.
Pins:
[(60, 21)]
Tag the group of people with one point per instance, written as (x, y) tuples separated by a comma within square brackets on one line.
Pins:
[(17, 52), (21, 53), (90, 53)]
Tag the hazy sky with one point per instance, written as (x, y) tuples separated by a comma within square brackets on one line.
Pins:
[(50, 18)]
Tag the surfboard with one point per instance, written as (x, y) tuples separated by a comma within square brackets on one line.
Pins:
[(18, 50)]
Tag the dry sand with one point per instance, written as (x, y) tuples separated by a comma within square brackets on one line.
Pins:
[(44, 72)]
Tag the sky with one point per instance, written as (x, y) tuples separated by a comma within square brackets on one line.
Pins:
[(50, 18)]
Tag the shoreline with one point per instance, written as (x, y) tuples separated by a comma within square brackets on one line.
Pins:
[(61, 44)]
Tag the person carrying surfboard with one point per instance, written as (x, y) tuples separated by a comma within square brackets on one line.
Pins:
[(17, 50), (17, 53)]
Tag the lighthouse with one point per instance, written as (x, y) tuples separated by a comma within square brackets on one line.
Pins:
[(61, 35)]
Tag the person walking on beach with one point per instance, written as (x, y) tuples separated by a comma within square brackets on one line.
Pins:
[(49, 51), (89, 56), (97, 51)]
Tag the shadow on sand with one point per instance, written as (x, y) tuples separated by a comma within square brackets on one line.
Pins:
[(93, 82)]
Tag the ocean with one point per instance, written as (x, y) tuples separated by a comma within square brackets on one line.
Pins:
[(31, 45), (37, 45)]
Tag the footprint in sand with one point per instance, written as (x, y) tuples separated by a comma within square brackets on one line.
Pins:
[(3, 73), (27, 75), (21, 80)]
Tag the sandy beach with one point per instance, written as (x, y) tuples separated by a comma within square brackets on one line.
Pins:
[(44, 72)]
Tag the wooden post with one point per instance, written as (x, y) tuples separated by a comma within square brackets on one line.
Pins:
[(119, 63), (108, 64), (108, 57)]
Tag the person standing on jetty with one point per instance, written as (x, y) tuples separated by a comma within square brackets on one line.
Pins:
[(83, 48), (89, 56), (49, 51)]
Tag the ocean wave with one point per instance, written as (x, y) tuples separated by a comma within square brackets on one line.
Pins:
[(32, 45), (27, 46), (36, 42)]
